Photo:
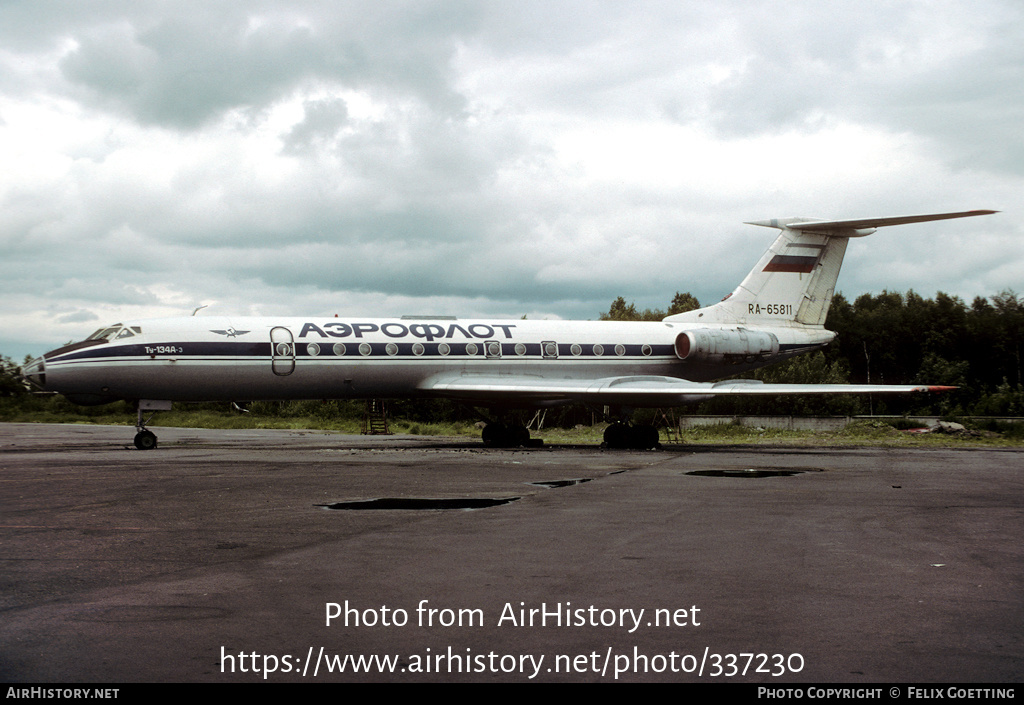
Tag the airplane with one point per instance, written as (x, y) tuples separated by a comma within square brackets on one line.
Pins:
[(778, 311)]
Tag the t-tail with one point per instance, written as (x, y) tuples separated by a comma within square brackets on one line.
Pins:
[(793, 283)]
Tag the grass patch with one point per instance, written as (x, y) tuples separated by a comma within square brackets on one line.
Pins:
[(324, 417), (420, 428)]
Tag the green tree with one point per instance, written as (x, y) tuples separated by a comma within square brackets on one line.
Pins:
[(1006, 400), (1010, 309), (11, 384), (621, 311), (681, 303)]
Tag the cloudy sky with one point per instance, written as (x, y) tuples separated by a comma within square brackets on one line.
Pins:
[(498, 158)]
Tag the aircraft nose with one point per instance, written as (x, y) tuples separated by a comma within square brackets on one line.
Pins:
[(35, 373)]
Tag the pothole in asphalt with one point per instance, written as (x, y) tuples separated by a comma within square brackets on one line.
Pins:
[(754, 472), (552, 484), (420, 503)]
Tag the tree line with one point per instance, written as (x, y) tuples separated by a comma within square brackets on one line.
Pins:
[(893, 338)]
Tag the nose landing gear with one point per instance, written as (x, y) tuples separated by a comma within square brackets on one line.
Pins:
[(144, 438)]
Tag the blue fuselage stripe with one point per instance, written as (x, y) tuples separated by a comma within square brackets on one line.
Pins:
[(215, 350)]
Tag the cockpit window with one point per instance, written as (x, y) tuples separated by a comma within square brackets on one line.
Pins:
[(105, 333)]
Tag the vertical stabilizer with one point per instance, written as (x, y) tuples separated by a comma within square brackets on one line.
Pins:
[(793, 283)]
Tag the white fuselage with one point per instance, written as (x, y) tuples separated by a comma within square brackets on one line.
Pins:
[(246, 359)]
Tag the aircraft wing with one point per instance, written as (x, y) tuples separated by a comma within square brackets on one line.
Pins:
[(640, 390)]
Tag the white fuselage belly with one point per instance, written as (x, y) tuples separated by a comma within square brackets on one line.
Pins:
[(211, 359)]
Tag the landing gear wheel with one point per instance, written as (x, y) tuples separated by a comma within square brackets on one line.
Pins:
[(494, 435), (499, 435), (518, 436), (145, 440), (617, 436), (645, 437)]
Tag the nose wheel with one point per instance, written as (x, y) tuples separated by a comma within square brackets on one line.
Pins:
[(145, 440)]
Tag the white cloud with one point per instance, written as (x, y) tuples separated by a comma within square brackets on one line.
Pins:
[(488, 158)]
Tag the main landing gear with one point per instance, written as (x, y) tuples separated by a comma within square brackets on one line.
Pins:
[(621, 435), (501, 435)]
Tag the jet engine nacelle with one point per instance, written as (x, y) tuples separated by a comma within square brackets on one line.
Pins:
[(730, 345)]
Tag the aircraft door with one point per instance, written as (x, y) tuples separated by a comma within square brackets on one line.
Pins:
[(282, 351)]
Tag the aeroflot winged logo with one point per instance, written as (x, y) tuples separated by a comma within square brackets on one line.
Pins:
[(230, 332)]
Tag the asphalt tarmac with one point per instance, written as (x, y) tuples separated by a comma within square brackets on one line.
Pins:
[(216, 557)]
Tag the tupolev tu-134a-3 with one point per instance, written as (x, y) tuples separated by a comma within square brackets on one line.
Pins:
[(778, 311)]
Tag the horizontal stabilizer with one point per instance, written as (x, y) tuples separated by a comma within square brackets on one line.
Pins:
[(831, 226)]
